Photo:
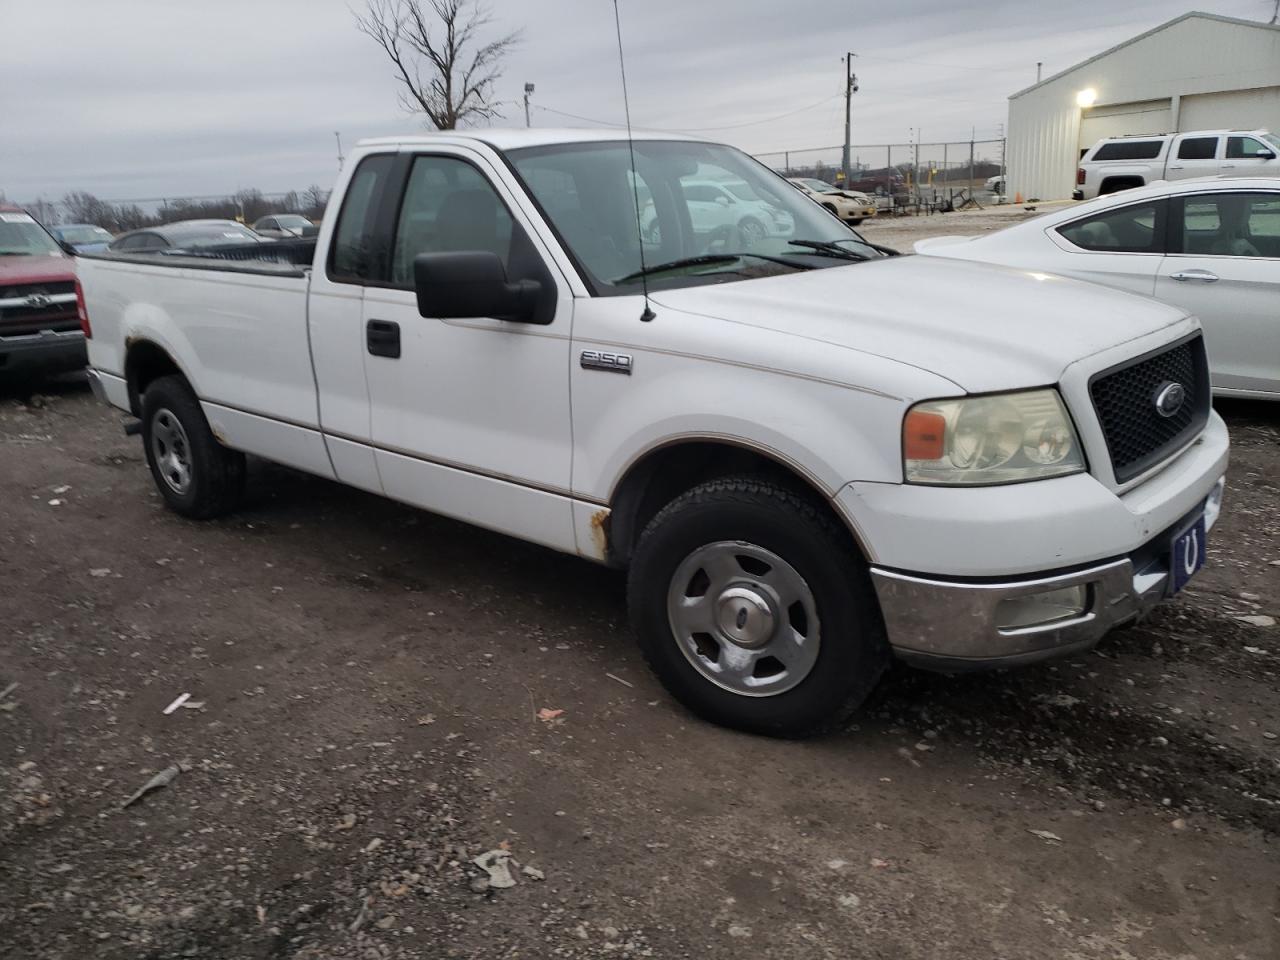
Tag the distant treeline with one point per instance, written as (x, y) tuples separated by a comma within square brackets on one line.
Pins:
[(79, 206)]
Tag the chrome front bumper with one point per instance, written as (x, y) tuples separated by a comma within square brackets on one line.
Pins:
[(952, 625)]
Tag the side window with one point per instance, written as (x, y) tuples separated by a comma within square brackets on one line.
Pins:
[(1198, 148), (1231, 225), (1134, 229), (449, 207), (700, 192), (267, 225), (352, 252), (1246, 148), (1129, 150)]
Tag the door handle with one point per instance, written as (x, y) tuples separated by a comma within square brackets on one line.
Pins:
[(1204, 276), (1228, 166), (382, 337)]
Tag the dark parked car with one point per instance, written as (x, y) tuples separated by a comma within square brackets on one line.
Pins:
[(40, 327), (83, 237), (285, 226), (185, 235)]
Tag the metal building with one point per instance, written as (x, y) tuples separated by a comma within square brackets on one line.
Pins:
[(1200, 71)]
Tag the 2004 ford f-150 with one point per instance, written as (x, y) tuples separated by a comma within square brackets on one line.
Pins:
[(811, 456)]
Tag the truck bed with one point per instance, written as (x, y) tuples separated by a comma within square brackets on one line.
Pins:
[(283, 258)]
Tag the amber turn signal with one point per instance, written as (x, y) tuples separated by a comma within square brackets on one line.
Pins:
[(924, 435)]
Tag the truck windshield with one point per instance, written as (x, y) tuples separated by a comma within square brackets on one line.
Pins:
[(21, 236), (707, 214)]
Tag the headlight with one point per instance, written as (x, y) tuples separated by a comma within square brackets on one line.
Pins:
[(1001, 438)]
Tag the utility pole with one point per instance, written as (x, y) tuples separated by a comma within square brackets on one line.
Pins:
[(528, 89), (850, 88), (337, 136), (1039, 64)]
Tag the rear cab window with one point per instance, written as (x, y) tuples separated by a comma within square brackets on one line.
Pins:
[(353, 255)]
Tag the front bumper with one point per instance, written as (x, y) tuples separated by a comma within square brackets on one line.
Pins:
[(49, 351), (953, 625)]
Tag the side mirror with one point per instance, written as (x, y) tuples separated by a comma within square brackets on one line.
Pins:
[(723, 200), (473, 284), (1267, 155)]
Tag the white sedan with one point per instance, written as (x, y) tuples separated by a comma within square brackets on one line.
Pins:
[(1210, 246)]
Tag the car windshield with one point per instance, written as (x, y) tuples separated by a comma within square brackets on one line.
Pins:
[(820, 186), (292, 220), (21, 236), (84, 235), (1272, 139), (708, 213)]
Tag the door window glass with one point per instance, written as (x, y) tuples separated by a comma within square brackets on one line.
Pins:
[(1198, 148), (1232, 225), (1245, 148), (449, 207), (1132, 229), (353, 245)]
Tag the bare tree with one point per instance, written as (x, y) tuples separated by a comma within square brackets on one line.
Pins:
[(314, 199), (446, 69)]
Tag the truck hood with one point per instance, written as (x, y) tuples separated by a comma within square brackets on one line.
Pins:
[(932, 243), (49, 268), (982, 327)]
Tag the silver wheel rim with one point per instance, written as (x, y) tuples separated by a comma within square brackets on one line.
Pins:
[(744, 618), (171, 450), (752, 233)]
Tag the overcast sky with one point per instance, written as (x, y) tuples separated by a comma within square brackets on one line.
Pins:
[(147, 98)]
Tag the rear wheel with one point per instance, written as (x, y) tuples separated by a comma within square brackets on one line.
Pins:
[(196, 475), (755, 610)]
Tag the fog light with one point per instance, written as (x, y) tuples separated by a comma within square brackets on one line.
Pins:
[(1035, 609), (1213, 504)]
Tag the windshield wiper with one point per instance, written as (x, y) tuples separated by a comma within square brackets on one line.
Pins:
[(830, 248), (708, 259)]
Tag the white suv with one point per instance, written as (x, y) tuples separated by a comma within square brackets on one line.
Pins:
[(1118, 163)]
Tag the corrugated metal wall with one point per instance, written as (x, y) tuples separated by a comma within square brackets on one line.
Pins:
[(1193, 55)]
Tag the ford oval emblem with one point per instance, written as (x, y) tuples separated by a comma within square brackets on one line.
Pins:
[(1169, 398)]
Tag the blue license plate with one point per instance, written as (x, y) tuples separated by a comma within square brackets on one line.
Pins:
[(1188, 554)]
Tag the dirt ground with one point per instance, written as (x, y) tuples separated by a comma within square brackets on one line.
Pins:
[(365, 681), (901, 232)]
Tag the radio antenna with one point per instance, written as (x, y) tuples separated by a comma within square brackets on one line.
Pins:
[(648, 313)]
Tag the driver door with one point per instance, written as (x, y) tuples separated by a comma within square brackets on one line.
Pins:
[(469, 417)]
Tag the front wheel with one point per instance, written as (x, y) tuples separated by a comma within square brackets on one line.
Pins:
[(756, 611), (196, 475)]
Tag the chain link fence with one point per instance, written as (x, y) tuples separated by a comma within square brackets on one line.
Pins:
[(904, 177)]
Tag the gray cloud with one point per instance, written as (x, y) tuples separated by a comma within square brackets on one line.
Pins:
[(145, 98)]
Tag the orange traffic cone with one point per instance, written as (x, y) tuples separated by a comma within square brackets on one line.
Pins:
[(1017, 197)]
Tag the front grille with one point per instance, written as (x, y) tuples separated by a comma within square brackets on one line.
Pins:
[(22, 319), (1138, 436)]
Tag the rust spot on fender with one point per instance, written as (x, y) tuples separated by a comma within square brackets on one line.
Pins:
[(600, 532), (218, 435)]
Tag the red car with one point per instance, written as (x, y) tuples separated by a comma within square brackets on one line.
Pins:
[(40, 330)]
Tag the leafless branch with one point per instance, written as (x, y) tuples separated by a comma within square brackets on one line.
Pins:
[(444, 68)]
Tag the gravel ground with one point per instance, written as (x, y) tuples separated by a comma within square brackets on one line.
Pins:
[(901, 232), (366, 682)]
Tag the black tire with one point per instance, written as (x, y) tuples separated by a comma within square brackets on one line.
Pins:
[(831, 209), (855, 221), (853, 652), (215, 475)]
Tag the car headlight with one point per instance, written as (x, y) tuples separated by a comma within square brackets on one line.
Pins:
[(999, 438)]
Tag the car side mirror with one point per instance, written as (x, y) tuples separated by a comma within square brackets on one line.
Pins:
[(473, 284), (723, 200), (1267, 155)]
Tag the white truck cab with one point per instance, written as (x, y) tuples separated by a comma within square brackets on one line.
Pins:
[(809, 455), (1120, 163)]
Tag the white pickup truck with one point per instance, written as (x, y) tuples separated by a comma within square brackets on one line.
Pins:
[(1121, 163), (811, 456)]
